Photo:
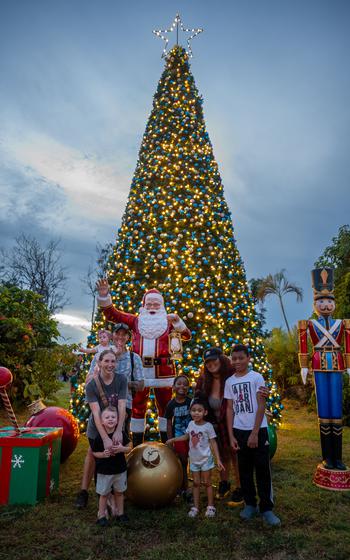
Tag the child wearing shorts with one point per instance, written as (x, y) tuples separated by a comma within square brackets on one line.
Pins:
[(111, 470), (202, 445)]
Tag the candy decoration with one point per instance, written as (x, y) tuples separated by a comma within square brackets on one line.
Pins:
[(6, 380)]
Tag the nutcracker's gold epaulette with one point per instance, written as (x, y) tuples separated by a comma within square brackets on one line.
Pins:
[(346, 323), (302, 325)]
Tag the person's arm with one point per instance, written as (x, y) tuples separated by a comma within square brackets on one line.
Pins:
[(117, 436), (253, 438), (169, 415), (102, 454), (95, 410), (229, 424), (169, 428), (121, 383), (88, 350), (215, 450), (139, 376), (119, 448), (198, 390), (179, 326), (264, 391), (185, 437)]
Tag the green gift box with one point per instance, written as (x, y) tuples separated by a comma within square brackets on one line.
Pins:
[(29, 464)]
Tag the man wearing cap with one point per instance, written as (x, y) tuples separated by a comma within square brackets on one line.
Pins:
[(151, 329), (327, 362), (128, 364)]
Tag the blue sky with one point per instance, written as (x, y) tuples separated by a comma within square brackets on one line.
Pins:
[(77, 85)]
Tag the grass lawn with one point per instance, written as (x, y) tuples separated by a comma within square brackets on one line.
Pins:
[(315, 523)]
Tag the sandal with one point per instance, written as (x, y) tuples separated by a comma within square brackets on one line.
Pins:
[(210, 511), (193, 512)]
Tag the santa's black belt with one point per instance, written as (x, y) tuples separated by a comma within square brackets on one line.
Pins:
[(148, 361)]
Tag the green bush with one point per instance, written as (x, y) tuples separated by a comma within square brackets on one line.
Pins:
[(282, 352), (28, 345)]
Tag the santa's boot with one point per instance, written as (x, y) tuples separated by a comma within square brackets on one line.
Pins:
[(326, 445), (137, 438), (163, 437), (337, 436)]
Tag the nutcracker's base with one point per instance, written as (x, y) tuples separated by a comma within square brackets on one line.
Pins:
[(332, 479)]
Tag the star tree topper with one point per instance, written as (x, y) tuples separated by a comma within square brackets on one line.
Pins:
[(176, 24)]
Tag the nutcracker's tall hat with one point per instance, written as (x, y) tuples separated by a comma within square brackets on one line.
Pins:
[(323, 282)]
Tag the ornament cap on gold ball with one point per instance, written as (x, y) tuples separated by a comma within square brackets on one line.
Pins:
[(36, 406)]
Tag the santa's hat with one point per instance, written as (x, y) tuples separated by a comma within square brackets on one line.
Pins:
[(154, 294)]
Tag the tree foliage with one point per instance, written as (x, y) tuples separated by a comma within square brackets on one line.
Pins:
[(99, 270), (31, 266), (28, 345), (282, 353), (278, 285), (337, 256)]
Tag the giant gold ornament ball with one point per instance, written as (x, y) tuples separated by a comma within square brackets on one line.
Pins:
[(154, 475)]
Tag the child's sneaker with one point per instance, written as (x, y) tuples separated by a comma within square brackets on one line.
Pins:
[(271, 519), (248, 512), (102, 522), (210, 512), (193, 512), (123, 518)]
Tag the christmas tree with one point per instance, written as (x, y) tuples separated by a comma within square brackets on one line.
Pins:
[(177, 234)]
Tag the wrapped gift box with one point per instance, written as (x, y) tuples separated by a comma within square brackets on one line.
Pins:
[(29, 464)]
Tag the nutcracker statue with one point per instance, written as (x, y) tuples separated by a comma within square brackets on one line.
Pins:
[(328, 337)]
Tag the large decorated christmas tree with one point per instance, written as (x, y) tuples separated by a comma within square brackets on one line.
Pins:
[(177, 233)]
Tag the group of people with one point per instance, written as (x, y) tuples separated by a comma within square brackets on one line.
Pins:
[(224, 422)]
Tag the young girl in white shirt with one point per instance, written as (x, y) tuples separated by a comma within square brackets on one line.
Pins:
[(201, 436)]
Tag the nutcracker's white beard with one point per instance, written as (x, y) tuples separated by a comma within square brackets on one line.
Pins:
[(152, 325)]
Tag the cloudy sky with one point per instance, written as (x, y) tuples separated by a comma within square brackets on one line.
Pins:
[(77, 82)]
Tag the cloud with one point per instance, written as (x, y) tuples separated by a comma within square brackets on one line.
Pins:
[(72, 321), (93, 188)]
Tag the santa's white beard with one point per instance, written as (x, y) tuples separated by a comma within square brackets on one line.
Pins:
[(152, 325)]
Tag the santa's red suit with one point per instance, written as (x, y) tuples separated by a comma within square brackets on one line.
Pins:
[(159, 370)]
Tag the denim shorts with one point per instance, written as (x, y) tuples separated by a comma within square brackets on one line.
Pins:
[(207, 466)]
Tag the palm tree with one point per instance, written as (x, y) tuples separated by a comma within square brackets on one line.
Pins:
[(278, 285)]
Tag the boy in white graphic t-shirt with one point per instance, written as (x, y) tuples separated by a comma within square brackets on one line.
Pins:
[(247, 428)]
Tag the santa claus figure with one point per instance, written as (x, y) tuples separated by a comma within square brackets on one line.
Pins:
[(151, 330)]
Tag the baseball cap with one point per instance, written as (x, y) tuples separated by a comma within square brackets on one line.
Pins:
[(120, 326), (212, 354)]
